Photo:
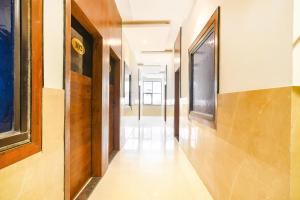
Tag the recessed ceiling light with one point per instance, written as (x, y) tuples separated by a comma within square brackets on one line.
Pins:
[(114, 42), (145, 42)]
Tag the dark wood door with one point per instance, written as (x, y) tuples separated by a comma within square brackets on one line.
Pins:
[(111, 118), (114, 104), (177, 104), (80, 141), (80, 108)]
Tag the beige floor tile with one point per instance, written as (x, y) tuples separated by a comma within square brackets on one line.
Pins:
[(151, 166)]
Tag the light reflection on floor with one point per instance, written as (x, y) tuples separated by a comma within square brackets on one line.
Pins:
[(150, 166)]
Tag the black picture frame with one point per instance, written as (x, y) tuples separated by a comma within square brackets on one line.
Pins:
[(207, 113), (178, 55)]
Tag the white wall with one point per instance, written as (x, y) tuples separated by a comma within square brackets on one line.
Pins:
[(296, 51), (255, 44), (171, 81), (296, 19), (53, 43), (129, 57)]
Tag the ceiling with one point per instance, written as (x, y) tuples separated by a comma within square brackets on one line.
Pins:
[(153, 37), (153, 72)]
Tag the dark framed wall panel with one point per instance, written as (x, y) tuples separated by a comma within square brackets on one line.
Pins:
[(177, 103), (204, 73), (27, 99), (177, 82), (177, 55)]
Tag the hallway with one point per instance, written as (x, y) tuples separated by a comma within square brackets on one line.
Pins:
[(151, 166), (149, 100)]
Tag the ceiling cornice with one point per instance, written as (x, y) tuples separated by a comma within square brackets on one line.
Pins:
[(157, 52), (145, 22)]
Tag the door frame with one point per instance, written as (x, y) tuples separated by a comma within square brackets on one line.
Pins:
[(177, 103), (72, 9), (166, 95), (177, 83), (139, 95), (117, 95)]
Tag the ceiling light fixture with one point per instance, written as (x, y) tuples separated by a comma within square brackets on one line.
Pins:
[(146, 22), (114, 42), (158, 52)]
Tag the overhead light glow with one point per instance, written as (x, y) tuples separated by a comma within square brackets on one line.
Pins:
[(114, 42)]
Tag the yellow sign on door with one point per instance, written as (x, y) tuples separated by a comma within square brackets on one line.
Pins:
[(78, 46)]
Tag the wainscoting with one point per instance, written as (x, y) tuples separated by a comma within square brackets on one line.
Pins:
[(42, 173), (254, 153)]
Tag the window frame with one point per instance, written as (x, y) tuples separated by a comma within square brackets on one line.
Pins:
[(33, 56), (127, 73), (20, 133), (129, 103), (212, 24), (151, 93)]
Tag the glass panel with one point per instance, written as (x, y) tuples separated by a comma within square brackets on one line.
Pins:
[(82, 45), (147, 87), (147, 99), (156, 99), (15, 73), (204, 76), (157, 87), (6, 65)]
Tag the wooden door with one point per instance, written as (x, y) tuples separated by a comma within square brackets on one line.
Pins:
[(114, 103), (177, 104), (111, 118), (80, 108)]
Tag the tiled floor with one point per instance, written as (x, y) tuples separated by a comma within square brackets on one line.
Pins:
[(151, 166)]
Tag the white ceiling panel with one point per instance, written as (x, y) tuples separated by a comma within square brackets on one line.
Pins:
[(147, 38), (153, 38)]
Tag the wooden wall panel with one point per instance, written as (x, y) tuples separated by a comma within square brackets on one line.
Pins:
[(67, 86), (104, 15), (81, 129)]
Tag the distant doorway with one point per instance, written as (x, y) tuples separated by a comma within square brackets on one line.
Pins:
[(177, 104), (114, 104), (152, 91)]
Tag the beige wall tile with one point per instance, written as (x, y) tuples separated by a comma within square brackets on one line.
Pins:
[(295, 145), (248, 156), (40, 176)]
